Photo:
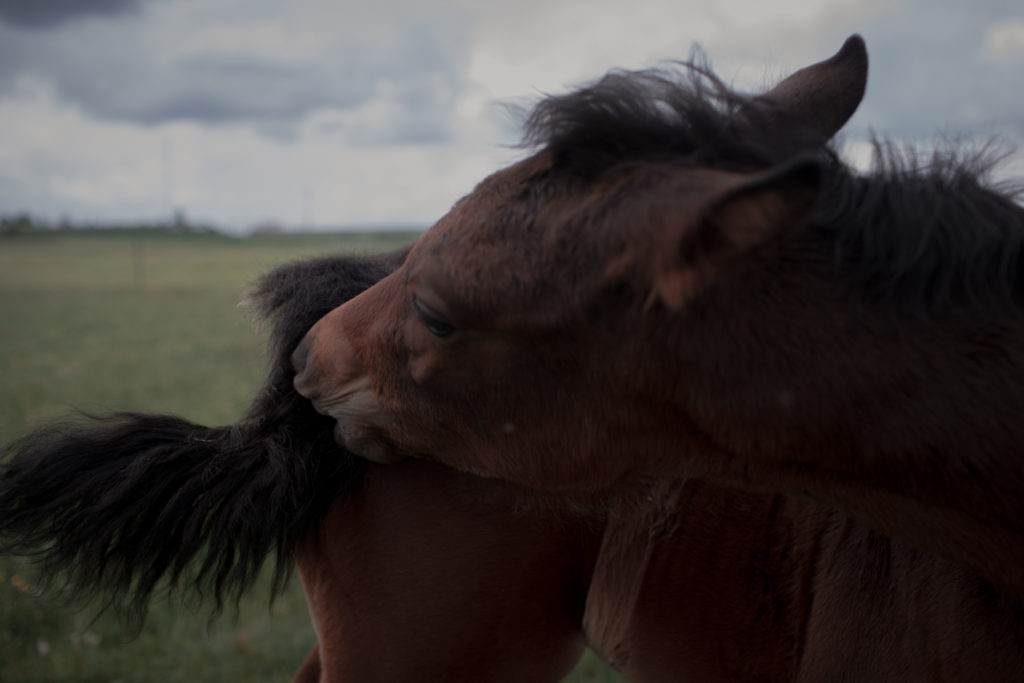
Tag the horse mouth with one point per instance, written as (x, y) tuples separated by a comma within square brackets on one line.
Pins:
[(350, 434), (358, 439), (345, 396)]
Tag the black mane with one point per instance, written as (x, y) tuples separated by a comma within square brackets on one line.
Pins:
[(917, 228), (679, 114), (117, 506), (296, 295)]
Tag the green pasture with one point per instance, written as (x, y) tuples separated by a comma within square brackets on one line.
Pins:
[(101, 321)]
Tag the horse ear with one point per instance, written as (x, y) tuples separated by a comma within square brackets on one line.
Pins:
[(742, 215), (821, 98)]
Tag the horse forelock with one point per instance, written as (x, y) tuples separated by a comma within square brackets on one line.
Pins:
[(682, 113)]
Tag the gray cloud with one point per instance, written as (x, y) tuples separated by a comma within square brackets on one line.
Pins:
[(211, 89), (113, 72), (370, 97), (930, 75), (35, 14)]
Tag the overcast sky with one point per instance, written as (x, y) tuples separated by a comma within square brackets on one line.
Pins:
[(327, 113)]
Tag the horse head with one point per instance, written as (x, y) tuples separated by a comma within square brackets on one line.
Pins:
[(497, 329)]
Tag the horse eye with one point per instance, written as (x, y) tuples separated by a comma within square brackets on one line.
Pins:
[(437, 325)]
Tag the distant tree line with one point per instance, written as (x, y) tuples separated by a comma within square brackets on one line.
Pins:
[(26, 224)]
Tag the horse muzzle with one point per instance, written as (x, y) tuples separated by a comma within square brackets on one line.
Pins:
[(340, 389)]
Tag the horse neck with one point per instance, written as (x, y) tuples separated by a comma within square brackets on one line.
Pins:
[(688, 570), (700, 581), (788, 366), (909, 422)]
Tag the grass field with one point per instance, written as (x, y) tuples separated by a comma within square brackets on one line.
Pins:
[(104, 321)]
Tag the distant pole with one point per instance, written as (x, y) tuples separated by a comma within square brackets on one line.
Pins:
[(166, 175), (306, 207), (138, 265)]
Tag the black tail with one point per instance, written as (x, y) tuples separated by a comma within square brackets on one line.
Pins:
[(117, 505)]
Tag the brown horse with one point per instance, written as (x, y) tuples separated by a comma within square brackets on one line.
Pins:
[(417, 572), (687, 281), (424, 573), (400, 586)]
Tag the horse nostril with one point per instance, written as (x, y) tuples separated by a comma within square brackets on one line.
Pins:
[(301, 355), (300, 363)]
